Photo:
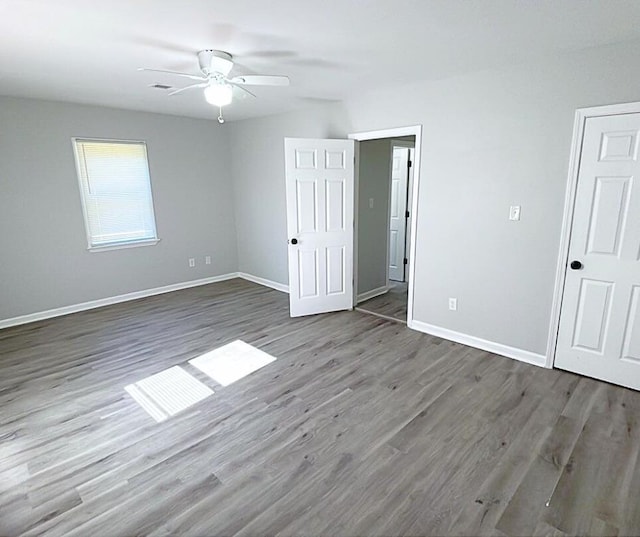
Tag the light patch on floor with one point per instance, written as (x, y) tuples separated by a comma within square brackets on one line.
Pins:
[(166, 393), (231, 362)]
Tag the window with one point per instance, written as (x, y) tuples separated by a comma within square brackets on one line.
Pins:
[(116, 193)]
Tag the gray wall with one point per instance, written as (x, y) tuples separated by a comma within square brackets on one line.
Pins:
[(257, 151), (44, 262), (490, 139), (373, 223)]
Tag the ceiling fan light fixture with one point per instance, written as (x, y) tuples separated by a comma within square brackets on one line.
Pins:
[(218, 94), (215, 66)]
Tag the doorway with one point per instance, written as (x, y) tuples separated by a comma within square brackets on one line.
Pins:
[(385, 192)]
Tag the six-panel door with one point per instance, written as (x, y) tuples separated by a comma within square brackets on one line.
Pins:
[(397, 213), (320, 188), (599, 332)]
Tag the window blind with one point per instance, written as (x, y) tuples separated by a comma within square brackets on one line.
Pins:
[(116, 192)]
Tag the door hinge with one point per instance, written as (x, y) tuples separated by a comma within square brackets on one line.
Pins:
[(409, 164), (405, 261), (406, 214)]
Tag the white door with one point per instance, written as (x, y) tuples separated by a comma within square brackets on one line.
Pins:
[(320, 188), (600, 320), (397, 213)]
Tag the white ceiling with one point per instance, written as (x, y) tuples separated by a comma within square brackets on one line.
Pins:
[(84, 51)]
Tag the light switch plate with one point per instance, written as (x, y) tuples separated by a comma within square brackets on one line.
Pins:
[(514, 212), (370, 203)]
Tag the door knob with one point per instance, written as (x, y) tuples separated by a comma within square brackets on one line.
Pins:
[(294, 241), (576, 265)]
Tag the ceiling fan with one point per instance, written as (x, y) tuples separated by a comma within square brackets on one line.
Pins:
[(215, 66)]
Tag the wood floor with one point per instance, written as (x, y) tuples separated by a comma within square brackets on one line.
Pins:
[(361, 427), (393, 304)]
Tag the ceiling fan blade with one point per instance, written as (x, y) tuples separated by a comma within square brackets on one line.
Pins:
[(243, 91), (180, 90), (186, 75), (261, 80)]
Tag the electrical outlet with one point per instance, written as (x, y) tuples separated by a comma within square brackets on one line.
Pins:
[(192, 262), (514, 212), (207, 260), (453, 304), (370, 203)]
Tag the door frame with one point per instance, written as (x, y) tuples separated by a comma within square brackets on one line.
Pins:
[(397, 132), (581, 116)]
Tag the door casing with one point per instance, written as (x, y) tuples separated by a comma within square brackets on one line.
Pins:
[(582, 114)]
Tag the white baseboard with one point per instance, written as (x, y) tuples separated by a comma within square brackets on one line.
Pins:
[(371, 294), (479, 343), (263, 281), (92, 304)]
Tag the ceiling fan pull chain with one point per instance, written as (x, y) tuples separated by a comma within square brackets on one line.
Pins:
[(220, 118)]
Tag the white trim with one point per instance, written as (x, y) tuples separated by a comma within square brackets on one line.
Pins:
[(479, 343), (356, 225), (563, 252), (415, 130), (119, 246), (263, 281), (371, 294), (395, 132), (582, 114), (92, 304)]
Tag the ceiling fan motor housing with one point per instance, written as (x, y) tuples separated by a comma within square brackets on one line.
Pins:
[(215, 61)]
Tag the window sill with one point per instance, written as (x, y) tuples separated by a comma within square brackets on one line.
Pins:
[(120, 246)]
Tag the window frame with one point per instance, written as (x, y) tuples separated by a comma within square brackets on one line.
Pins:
[(85, 215)]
